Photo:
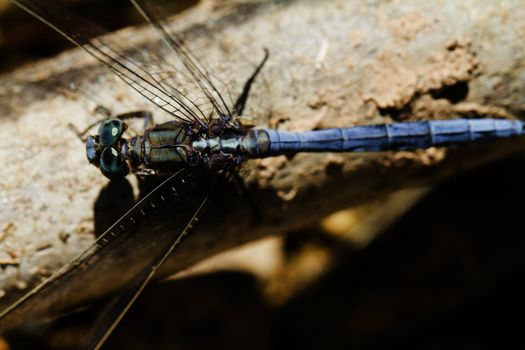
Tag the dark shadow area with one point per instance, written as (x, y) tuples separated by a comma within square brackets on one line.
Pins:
[(113, 201), (454, 93), (219, 311), (397, 114), (448, 275), (223, 310), (24, 39), (117, 198)]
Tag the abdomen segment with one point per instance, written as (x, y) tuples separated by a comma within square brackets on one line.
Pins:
[(382, 137)]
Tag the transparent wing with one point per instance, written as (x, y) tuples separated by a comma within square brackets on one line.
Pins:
[(120, 304), (144, 231), (172, 88), (195, 68), (226, 95)]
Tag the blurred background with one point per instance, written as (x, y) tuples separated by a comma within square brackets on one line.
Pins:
[(422, 268), (23, 39)]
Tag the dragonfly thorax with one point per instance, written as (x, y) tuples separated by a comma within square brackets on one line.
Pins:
[(218, 152), (170, 145)]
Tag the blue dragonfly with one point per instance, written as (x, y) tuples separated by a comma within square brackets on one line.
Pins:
[(203, 146)]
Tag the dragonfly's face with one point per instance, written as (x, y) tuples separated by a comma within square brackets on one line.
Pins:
[(103, 150)]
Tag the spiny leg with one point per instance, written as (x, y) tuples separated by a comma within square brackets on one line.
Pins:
[(243, 97), (106, 112), (99, 109), (147, 116)]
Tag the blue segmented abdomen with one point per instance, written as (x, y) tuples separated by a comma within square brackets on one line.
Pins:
[(381, 137)]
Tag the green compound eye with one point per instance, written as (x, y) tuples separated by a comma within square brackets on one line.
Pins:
[(110, 131), (112, 165)]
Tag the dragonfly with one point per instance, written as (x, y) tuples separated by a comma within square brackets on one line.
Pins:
[(203, 146)]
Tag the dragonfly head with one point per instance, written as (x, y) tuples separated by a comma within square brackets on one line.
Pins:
[(104, 150)]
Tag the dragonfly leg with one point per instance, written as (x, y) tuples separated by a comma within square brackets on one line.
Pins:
[(243, 97), (148, 121), (147, 116), (102, 110), (99, 109), (82, 133), (144, 172)]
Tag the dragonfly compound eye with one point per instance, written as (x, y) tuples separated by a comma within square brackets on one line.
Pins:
[(110, 131), (112, 165)]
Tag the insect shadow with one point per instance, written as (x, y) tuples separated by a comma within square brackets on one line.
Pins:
[(116, 198)]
